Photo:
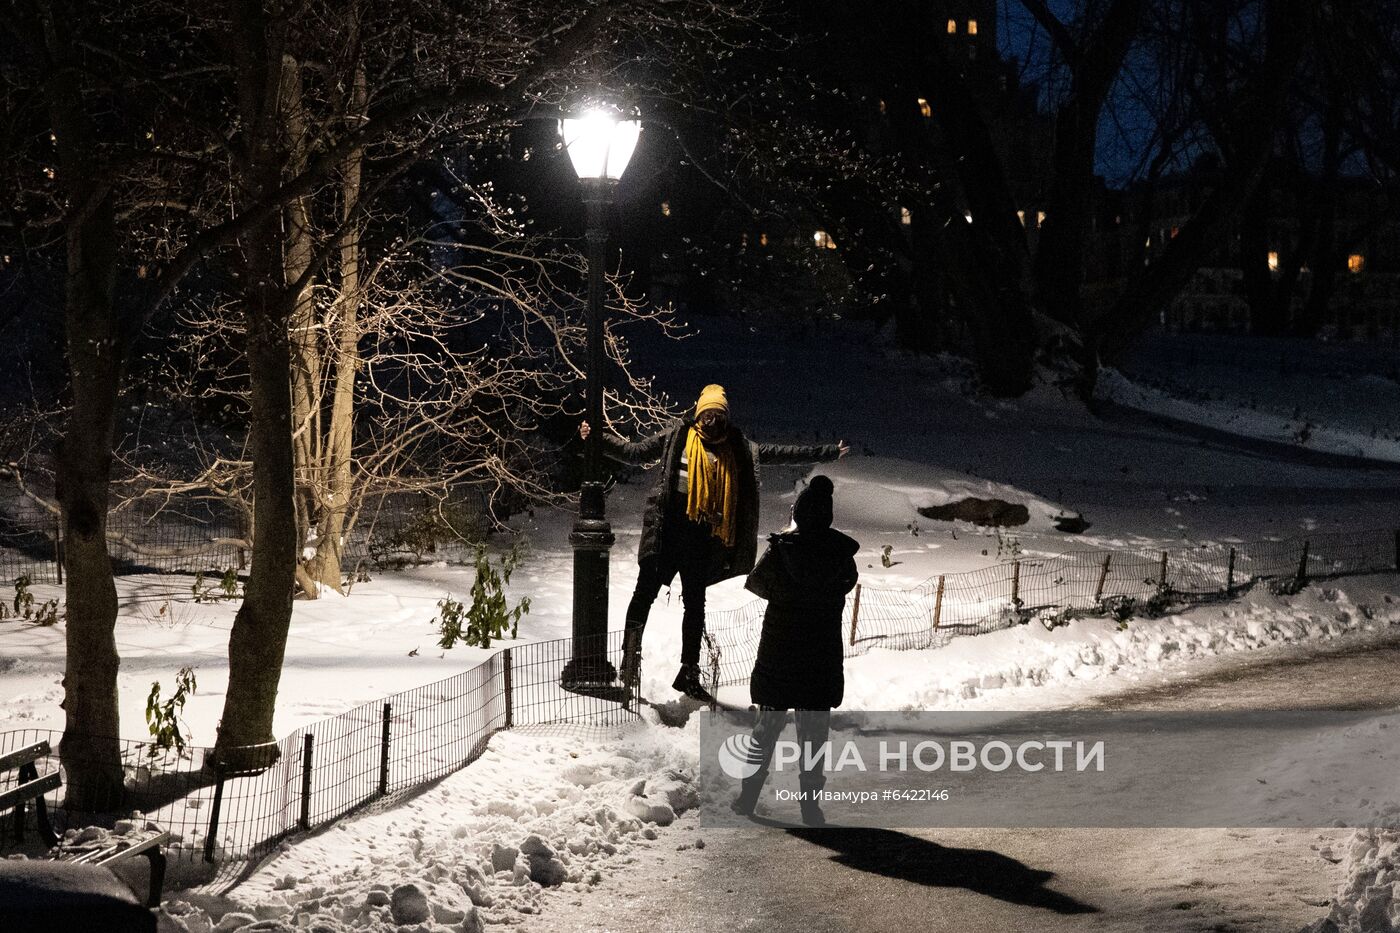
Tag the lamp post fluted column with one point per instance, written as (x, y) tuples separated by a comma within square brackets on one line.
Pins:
[(592, 536)]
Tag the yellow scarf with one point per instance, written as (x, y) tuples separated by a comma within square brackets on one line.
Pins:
[(712, 495)]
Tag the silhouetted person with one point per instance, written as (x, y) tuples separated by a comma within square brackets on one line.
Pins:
[(805, 575)]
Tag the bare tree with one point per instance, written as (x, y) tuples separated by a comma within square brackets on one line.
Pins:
[(211, 186)]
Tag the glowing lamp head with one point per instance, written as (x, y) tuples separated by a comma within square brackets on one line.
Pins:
[(599, 143)]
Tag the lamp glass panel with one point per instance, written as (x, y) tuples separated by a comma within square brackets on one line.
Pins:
[(599, 145)]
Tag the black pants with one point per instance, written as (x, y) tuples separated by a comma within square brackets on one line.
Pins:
[(813, 727), (690, 549)]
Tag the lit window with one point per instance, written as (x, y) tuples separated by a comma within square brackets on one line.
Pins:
[(1273, 260), (1356, 263), (1175, 231), (1039, 218), (763, 239), (1021, 216), (952, 27), (905, 217), (823, 240), (1117, 219), (924, 108), (967, 216), (882, 106), (665, 208), (972, 27), (743, 239)]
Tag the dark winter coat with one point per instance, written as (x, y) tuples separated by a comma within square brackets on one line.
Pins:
[(805, 577), (667, 445)]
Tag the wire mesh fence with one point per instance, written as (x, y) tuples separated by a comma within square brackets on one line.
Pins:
[(238, 806), (1018, 590), (207, 537)]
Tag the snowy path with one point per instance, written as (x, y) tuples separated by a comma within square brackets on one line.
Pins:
[(996, 880)]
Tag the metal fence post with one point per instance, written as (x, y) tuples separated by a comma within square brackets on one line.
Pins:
[(1162, 579), (855, 614), (1103, 577), (509, 689), (211, 837), (1015, 581), (305, 821), (1230, 573), (384, 752), (938, 604), (1303, 564), (58, 545)]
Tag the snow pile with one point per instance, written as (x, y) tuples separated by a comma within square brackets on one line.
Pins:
[(1368, 898), (536, 812)]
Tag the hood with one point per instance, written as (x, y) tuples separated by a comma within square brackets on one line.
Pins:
[(817, 560)]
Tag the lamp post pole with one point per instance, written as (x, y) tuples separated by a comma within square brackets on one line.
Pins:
[(592, 536)]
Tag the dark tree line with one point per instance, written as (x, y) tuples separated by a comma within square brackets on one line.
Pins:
[(854, 114)]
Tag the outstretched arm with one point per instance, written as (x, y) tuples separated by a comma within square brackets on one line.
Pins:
[(801, 453), (636, 452)]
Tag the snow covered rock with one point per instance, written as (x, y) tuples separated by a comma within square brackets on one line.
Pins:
[(503, 857), (409, 904), (235, 920), (661, 800), (471, 880), (182, 917), (649, 810), (546, 869), (473, 923)]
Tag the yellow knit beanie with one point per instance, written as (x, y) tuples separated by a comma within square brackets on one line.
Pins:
[(712, 396)]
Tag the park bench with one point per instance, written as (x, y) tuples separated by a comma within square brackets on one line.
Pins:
[(98, 849)]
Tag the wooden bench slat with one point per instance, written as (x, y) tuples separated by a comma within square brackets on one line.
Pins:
[(30, 790), (24, 755), (113, 850)]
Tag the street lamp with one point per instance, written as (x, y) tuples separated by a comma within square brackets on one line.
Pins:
[(599, 144)]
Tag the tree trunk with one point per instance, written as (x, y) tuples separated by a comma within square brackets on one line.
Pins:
[(991, 277), (259, 636), (96, 348), (1322, 255), (258, 640), (1059, 259), (92, 725), (1257, 109)]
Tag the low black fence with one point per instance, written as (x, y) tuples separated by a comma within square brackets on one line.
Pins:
[(1131, 583), (205, 537), (221, 812)]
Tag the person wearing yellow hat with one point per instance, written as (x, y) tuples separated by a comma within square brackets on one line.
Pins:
[(701, 518)]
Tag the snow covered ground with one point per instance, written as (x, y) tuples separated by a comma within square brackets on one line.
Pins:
[(1334, 398), (580, 806)]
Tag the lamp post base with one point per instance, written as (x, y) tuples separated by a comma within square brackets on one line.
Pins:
[(592, 540)]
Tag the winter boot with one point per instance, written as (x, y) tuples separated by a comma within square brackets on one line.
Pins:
[(688, 682), (747, 801), (812, 814), (811, 785)]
